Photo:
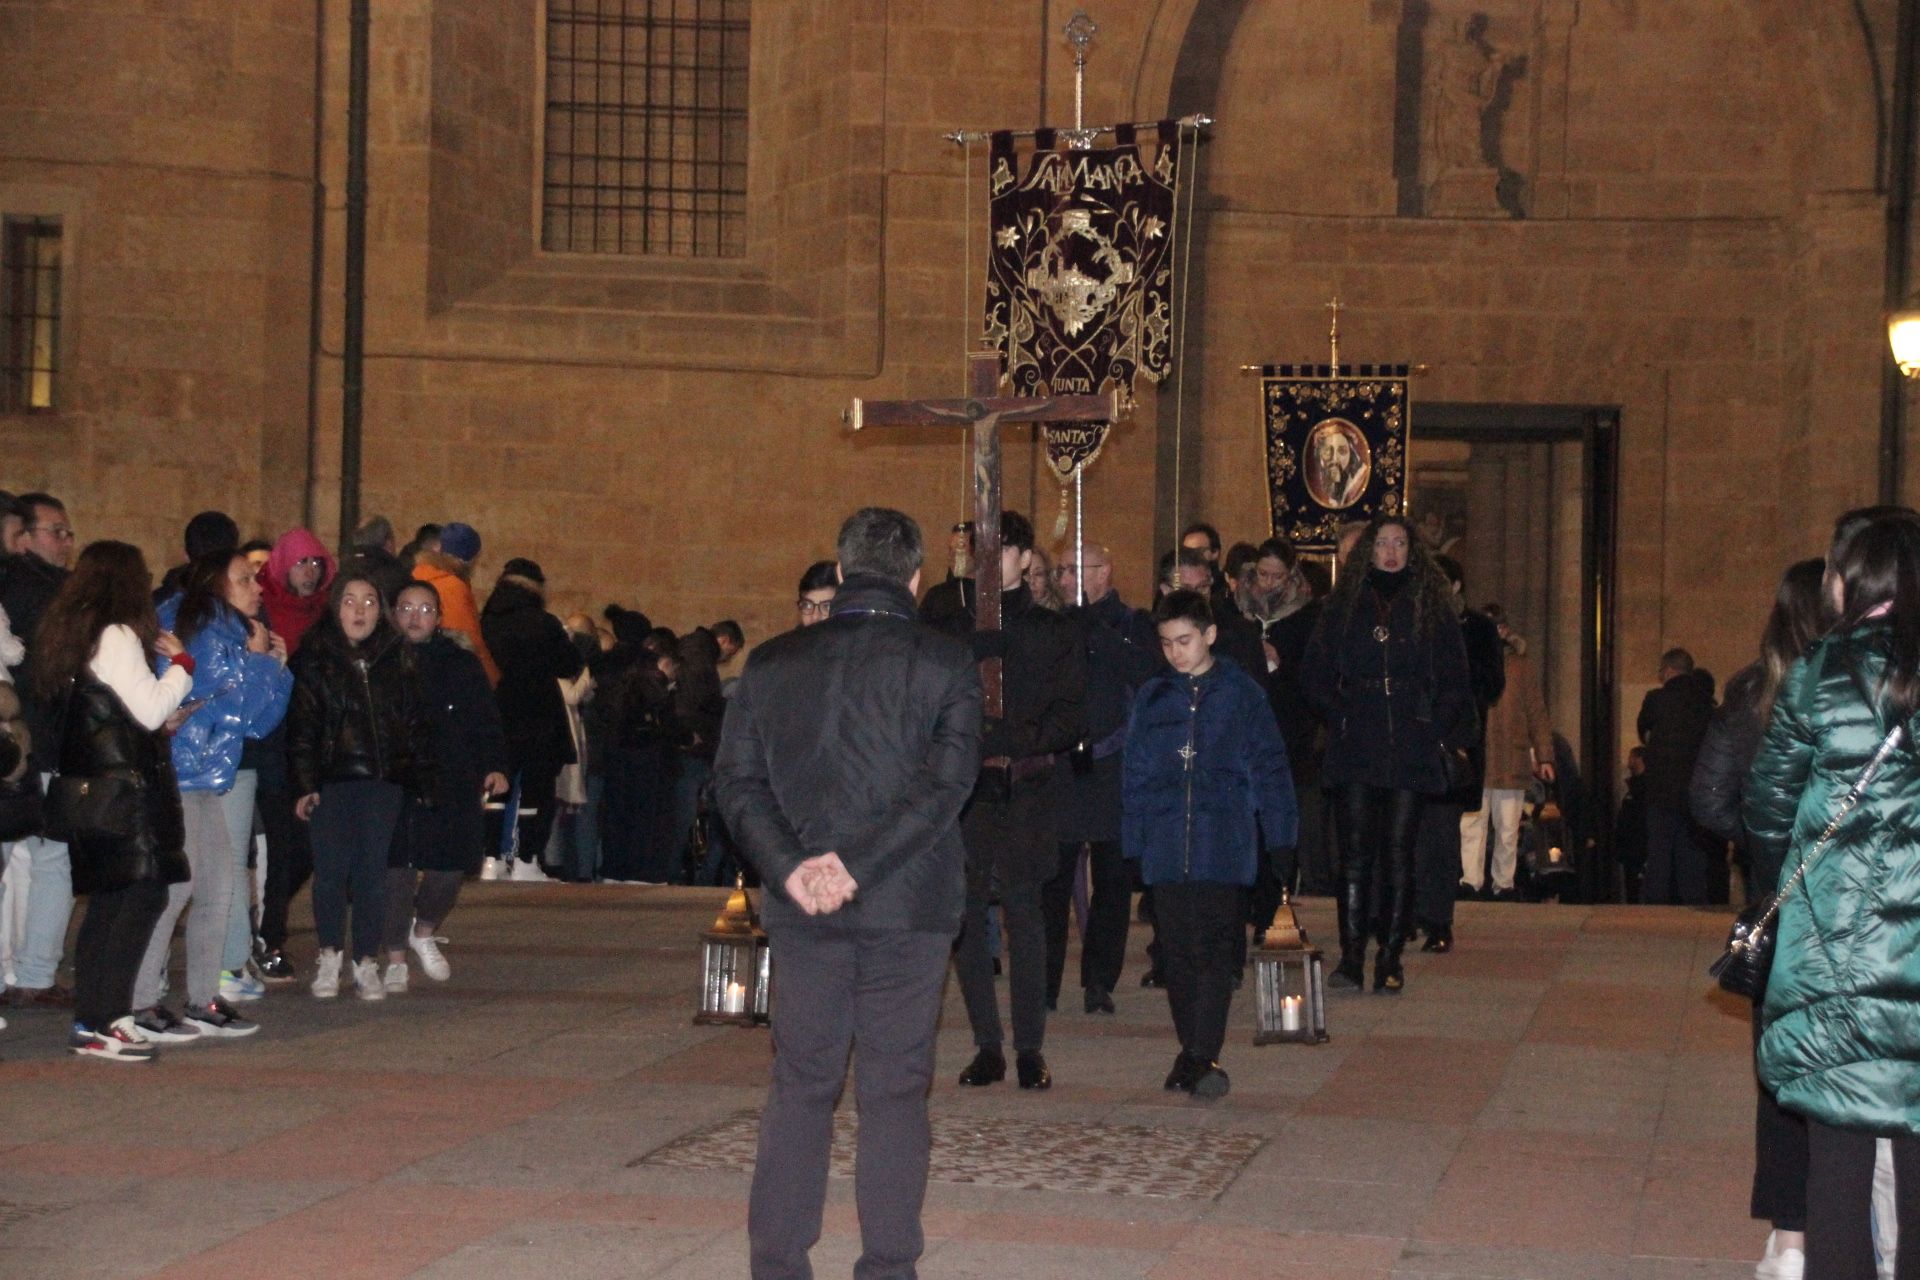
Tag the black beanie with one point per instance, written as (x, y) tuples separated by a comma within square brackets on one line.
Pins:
[(519, 568), (211, 531)]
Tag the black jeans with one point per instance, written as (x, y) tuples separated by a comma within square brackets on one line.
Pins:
[(1200, 927), (107, 953), (1437, 859), (1839, 1193), (1377, 827), (289, 863), (1103, 951), (413, 896), (876, 993), (352, 833), (1026, 968), (1779, 1158)]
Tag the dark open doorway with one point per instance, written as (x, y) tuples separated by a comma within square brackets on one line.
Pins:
[(1524, 496)]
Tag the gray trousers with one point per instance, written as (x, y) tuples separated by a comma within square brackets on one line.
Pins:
[(875, 993), (210, 856)]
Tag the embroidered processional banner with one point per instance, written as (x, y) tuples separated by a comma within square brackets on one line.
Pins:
[(1080, 274), (1336, 447)]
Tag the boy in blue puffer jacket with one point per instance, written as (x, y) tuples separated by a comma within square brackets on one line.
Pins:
[(1205, 777)]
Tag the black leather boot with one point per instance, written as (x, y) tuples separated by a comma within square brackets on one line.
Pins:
[(1387, 974), (1351, 973)]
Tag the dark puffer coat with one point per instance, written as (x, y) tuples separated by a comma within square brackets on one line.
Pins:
[(102, 740), (860, 736), (533, 653), (1391, 708), (1842, 1016), (1720, 771), (1206, 775), (467, 746), (358, 714)]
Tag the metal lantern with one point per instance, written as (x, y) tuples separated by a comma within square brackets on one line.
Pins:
[(1289, 984), (736, 970)]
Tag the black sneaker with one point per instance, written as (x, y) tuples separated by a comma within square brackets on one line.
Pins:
[(159, 1025), (275, 968), (218, 1018)]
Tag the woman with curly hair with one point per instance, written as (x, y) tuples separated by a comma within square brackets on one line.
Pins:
[(1387, 671)]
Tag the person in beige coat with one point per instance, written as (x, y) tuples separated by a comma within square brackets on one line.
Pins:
[(1519, 749)]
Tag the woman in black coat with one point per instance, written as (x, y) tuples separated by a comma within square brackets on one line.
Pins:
[(438, 845), (1387, 671), (1718, 788), (534, 654)]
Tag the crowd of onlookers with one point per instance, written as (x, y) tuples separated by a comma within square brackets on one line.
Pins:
[(189, 754)]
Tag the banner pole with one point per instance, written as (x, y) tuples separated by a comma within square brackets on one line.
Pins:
[(1079, 536)]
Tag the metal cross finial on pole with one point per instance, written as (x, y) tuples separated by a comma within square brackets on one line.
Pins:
[(1080, 31), (1333, 336)]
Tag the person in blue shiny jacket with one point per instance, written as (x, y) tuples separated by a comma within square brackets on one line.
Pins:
[(241, 688), (1205, 783)]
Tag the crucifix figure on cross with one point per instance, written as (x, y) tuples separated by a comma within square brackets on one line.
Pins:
[(984, 411)]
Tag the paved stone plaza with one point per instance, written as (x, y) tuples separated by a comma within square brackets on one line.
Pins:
[(1564, 1097)]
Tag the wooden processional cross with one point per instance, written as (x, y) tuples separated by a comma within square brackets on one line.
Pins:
[(985, 411)]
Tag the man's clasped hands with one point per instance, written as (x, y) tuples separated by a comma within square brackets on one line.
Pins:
[(821, 885)]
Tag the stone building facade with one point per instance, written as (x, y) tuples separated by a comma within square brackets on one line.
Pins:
[(1675, 208)]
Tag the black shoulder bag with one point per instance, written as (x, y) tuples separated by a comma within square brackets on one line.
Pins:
[(104, 808), (1744, 966)]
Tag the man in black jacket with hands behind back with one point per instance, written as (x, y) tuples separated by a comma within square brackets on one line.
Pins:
[(848, 751)]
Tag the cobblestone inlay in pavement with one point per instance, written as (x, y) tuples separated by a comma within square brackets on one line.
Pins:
[(1027, 1155)]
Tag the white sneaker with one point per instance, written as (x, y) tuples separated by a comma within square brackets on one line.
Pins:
[(395, 978), (326, 974), (490, 869), (529, 873), (1780, 1264), (120, 1042), (367, 983), (432, 963)]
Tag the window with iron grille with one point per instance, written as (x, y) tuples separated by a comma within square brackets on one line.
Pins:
[(29, 312), (646, 131)]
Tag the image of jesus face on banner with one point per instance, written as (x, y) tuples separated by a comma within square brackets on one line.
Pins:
[(1339, 464)]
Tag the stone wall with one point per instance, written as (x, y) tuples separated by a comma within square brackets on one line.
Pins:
[(1692, 245)]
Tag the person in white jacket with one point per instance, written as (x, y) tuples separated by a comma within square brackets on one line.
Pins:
[(93, 652), (13, 651)]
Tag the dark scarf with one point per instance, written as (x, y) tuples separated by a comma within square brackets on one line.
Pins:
[(1387, 585)]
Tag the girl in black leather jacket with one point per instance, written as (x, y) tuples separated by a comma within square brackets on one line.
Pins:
[(358, 747)]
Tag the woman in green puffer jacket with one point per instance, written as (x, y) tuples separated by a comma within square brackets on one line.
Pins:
[(1841, 1044)]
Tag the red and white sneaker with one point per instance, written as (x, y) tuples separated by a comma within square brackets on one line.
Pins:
[(120, 1042)]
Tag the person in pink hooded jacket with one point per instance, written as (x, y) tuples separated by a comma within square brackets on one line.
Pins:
[(294, 586)]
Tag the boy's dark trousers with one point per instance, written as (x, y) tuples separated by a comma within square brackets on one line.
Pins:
[(1200, 927)]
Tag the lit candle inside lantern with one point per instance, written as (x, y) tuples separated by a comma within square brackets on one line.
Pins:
[(736, 998), (1289, 1013)]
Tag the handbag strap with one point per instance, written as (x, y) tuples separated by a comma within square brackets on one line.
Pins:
[(1847, 805)]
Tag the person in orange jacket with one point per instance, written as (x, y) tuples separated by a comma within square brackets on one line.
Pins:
[(450, 571)]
